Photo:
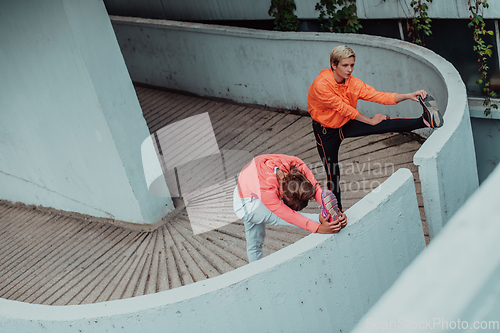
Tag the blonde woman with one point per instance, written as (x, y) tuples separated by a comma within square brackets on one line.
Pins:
[(332, 102)]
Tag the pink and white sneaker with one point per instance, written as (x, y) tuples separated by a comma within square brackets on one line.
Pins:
[(329, 205)]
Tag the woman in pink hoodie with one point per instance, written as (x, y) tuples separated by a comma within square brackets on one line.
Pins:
[(272, 189)]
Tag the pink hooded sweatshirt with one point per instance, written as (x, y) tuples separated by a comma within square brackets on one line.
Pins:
[(258, 180)]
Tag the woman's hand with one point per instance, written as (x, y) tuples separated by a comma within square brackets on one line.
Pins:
[(411, 96), (378, 118), (342, 220), (333, 227), (371, 121)]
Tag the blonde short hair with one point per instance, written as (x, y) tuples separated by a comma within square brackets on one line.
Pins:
[(341, 52)]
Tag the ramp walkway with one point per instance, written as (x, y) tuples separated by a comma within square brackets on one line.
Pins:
[(56, 258)]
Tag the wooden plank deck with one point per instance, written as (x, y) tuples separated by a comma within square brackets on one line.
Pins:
[(47, 257)]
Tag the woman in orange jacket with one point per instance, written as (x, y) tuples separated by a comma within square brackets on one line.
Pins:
[(332, 101)]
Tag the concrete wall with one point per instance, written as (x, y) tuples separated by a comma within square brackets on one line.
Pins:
[(322, 283), (71, 127), (192, 10), (453, 285), (268, 67), (276, 69), (486, 131)]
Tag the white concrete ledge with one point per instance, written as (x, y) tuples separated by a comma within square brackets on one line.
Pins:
[(320, 283)]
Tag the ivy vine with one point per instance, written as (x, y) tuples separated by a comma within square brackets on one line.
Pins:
[(420, 23), (484, 51), (338, 16), (284, 16)]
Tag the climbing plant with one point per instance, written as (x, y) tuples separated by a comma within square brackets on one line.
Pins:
[(483, 51), (283, 13), (338, 16), (419, 25)]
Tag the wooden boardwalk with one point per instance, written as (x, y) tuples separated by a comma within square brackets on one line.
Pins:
[(47, 257)]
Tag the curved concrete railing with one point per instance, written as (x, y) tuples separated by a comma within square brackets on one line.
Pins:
[(434, 293), (447, 160), (276, 69), (319, 283)]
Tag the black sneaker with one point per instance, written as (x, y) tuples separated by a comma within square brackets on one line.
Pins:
[(432, 117)]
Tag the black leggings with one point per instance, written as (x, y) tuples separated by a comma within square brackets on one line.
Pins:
[(328, 142)]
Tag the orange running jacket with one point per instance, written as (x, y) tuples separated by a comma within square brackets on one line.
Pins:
[(332, 104)]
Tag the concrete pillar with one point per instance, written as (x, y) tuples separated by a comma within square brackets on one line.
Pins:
[(71, 127)]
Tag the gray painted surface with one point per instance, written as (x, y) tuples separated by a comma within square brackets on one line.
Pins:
[(319, 284), (454, 283), (192, 10), (70, 123)]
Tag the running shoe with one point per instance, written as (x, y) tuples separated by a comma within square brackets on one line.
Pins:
[(432, 116), (329, 205)]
